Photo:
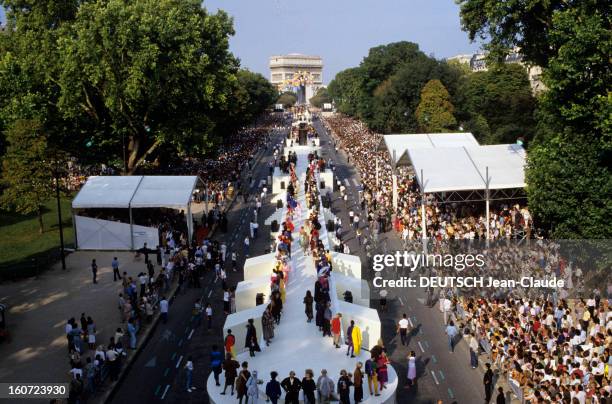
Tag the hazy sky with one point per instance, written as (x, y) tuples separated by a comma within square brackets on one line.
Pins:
[(340, 31)]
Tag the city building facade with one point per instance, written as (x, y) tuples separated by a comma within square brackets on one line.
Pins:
[(302, 74), (478, 63)]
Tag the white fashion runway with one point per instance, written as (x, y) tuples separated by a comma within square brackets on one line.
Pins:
[(298, 345)]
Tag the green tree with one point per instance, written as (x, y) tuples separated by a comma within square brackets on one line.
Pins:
[(345, 90), (25, 170), (321, 97), (260, 91), (567, 204), (288, 99), (250, 95), (502, 97), (384, 89), (435, 111), (148, 73), (29, 67), (568, 173)]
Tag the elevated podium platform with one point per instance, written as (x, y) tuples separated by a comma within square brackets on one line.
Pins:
[(298, 345)]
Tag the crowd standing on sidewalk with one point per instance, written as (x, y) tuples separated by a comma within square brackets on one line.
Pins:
[(91, 361)]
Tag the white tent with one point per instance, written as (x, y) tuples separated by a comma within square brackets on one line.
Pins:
[(450, 162), (107, 192), (466, 168), (398, 145), (162, 190), (128, 192)]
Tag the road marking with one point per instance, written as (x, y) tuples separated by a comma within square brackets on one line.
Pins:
[(411, 324), (151, 363), (157, 389), (180, 342), (355, 182), (435, 378), (441, 375), (421, 346), (401, 301), (191, 334), (450, 393), (346, 181), (186, 328), (166, 372), (173, 356), (178, 362), (165, 391), (434, 359), (426, 344), (209, 293)]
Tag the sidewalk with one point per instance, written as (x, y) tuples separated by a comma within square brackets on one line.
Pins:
[(40, 307)]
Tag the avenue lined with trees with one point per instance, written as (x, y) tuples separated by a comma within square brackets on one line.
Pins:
[(114, 84), (566, 128)]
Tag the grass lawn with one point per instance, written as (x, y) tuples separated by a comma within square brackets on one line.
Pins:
[(20, 240)]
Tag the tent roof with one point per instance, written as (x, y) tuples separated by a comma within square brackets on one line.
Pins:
[(107, 192), (136, 191), (464, 168), (402, 143), (164, 190)]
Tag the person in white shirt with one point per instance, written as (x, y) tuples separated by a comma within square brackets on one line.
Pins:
[(226, 301), (402, 328), (76, 370), (446, 307), (209, 314), (223, 251), (234, 261), (142, 278), (163, 308), (247, 243)]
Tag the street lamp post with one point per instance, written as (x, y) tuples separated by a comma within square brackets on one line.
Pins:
[(59, 215)]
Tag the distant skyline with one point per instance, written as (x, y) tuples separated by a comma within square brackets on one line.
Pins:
[(340, 31)]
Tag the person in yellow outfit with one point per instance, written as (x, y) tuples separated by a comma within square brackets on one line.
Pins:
[(356, 340)]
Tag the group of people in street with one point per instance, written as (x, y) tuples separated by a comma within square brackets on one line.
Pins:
[(245, 383), (142, 294), (548, 351)]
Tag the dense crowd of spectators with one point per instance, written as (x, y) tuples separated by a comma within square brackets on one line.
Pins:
[(551, 351), (444, 221)]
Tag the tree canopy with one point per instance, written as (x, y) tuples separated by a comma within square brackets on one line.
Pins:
[(497, 105), (104, 76), (386, 88), (26, 169), (568, 176), (288, 99), (435, 111), (321, 97), (150, 71)]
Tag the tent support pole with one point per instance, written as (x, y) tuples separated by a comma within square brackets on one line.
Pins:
[(394, 177), (377, 181), (74, 228), (131, 227), (487, 197), (423, 220), (189, 223), (206, 200)]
